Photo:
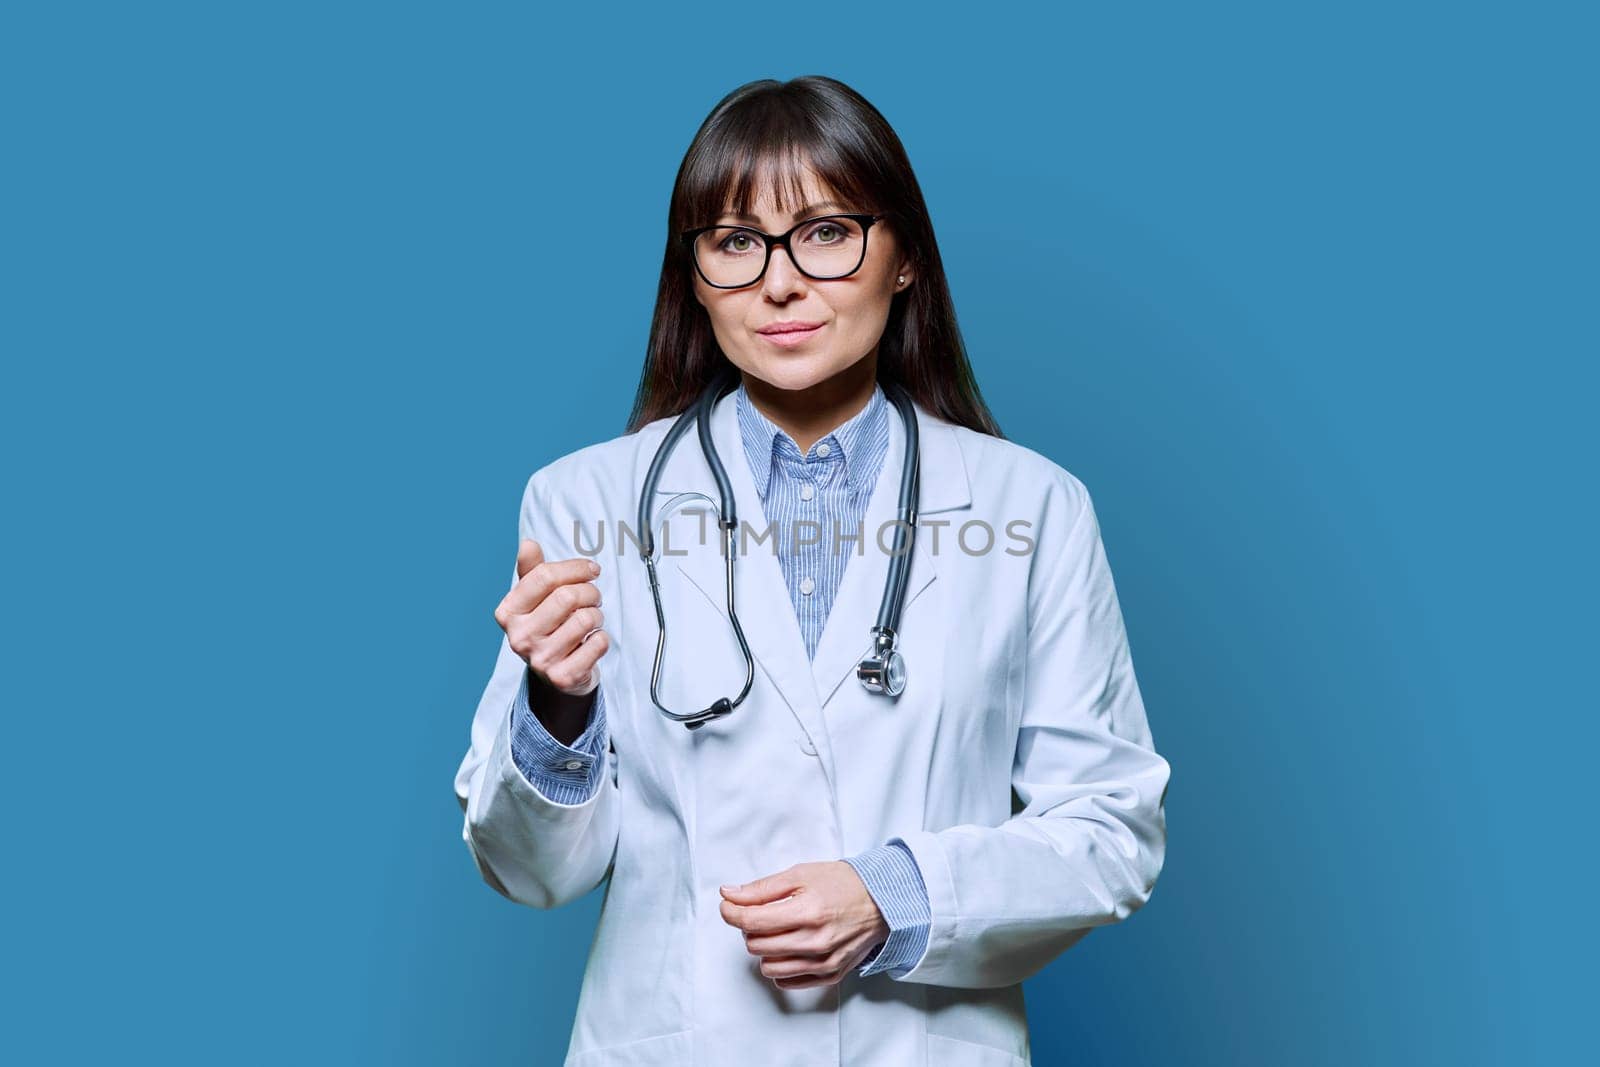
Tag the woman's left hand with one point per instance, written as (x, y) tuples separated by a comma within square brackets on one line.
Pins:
[(810, 924)]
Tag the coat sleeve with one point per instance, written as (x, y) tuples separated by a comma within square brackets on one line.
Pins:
[(1087, 844), (529, 848)]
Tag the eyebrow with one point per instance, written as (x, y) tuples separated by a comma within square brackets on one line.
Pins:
[(804, 212)]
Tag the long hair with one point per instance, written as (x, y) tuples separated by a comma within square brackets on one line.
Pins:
[(769, 129)]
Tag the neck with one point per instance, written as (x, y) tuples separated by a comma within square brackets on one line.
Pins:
[(810, 414)]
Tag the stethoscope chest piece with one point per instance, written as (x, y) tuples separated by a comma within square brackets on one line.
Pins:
[(885, 670)]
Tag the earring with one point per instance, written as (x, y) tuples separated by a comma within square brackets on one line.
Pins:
[(901, 279)]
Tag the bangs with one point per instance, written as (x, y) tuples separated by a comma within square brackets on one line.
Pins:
[(738, 163)]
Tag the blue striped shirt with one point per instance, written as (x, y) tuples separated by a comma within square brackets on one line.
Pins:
[(816, 504)]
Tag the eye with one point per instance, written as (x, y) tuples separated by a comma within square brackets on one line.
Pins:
[(830, 232), (739, 241)]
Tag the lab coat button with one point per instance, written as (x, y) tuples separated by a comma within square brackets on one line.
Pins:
[(806, 745)]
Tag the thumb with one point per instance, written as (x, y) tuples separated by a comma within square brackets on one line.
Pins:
[(529, 556)]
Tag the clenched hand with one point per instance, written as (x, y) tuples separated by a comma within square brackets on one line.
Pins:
[(549, 617), (810, 924)]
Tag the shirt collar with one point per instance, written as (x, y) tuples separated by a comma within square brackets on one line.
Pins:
[(855, 443)]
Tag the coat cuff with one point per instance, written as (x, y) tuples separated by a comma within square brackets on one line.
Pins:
[(566, 774), (891, 876)]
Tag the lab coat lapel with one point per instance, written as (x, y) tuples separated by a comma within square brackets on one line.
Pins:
[(847, 635)]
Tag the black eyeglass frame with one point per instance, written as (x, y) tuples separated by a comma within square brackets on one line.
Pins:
[(864, 219)]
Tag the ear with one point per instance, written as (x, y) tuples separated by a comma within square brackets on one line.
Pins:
[(904, 270)]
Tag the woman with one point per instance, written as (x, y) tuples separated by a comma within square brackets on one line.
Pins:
[(825, 873)]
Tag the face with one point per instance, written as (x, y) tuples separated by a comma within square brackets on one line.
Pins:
[(850, 312)]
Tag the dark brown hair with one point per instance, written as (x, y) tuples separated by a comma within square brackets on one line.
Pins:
[(773, 129)]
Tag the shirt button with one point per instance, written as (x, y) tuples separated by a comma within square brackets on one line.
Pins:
[(574, 764), (823, 449), (807, 585), (807, 491)]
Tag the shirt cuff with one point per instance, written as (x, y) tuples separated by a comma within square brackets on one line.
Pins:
[(892, 877), (566, 774)]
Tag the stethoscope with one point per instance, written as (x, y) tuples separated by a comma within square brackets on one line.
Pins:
[(883, 670)]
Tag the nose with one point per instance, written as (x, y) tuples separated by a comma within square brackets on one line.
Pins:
[(782, 277)]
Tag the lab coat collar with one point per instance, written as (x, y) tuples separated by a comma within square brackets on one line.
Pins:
[(761, 596)]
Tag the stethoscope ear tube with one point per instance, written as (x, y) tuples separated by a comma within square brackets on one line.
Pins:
[(647, 537), (727, 520), (728, 516), (910, 497), (883, 670)]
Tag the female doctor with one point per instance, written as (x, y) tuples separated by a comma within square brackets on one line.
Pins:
[(842, 808)]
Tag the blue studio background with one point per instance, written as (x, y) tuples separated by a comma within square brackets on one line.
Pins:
[(292, 307)]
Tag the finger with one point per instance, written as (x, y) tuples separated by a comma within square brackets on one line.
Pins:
[(773, 918), (576, 673), (772, 887), (535, 589), (798, 967), (545, 650), (552, 654), (800, 943), (529, 555), (563, 598), (580, 629), (803, 983)]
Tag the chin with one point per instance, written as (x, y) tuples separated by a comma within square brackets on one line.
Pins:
[(795, 372)]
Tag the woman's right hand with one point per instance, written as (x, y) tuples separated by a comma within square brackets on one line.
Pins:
[(552, 619)]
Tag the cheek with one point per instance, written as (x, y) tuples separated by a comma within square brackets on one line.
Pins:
[(863, 318), (726, 312)]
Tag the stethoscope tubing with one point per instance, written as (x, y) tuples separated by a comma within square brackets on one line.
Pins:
[(889, 609)]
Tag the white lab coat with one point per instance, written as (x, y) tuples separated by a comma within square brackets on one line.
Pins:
[(1019, 680)]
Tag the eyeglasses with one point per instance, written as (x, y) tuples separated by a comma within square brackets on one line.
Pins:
[(824, 248)]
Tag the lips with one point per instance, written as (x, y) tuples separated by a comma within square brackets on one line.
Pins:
[(789, 327), (789, 334)]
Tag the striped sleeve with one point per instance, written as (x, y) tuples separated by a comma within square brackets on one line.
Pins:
[(566, 774), (895, 883)]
